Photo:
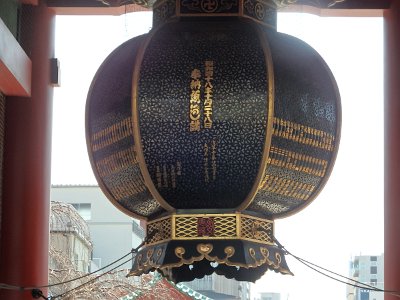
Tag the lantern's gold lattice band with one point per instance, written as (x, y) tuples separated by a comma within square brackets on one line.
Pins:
[(211, 227)]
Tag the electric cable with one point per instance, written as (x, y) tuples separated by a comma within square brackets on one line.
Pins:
[(21, 288), (87, 282), (357, 284), (305, 262), (318, 269), (133, 251), (80, 277), (37, 293)]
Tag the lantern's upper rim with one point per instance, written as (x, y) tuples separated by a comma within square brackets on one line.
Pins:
[(277, 4), (261, 11)]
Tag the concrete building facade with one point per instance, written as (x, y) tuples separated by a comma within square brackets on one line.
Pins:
[(368, 269), (113, 233), (69, 238), (270, 296), (218, 287)]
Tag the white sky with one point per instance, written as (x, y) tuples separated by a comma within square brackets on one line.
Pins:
[(347, 217)]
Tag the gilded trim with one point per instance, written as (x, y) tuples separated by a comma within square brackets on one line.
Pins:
[(96, 172), (238, 222), (136, 128), (336, 140), (270, 118)]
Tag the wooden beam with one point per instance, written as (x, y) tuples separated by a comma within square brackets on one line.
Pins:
[(15, 65), (31, 2), (24, 245), (105, 10), (329, 12), (332, 8), (346, 4), (392, 148), (322, 4)]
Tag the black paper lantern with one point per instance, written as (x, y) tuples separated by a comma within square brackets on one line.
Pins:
[(209, 127)]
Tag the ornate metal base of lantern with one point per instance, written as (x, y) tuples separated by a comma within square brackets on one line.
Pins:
[(187, 246)]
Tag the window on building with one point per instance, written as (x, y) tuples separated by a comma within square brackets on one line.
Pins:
[(373, 258), (374, 282), (356, 263), (374, 270), (84, 210)]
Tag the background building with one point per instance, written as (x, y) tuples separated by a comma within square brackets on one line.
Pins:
[(218, 287), (367, 269), (69, 238), (70, 256), (113, 233), (270, 296)]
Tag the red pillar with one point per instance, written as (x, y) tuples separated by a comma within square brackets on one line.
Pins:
[(392, 148), (26, 171)]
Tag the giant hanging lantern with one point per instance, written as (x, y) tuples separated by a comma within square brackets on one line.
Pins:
[(209, 127)]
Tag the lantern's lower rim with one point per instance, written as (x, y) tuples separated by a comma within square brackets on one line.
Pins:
[(187, 260)]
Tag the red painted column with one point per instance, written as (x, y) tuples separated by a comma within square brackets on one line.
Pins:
[(392, 148), (26, 173)]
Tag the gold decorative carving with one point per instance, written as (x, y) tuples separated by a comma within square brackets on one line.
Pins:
[(159, 231), (186, 226), (204, 251), (257, 230), (116, 162), (130, 187), (260, 11), (258, 254), (150, 262), (225, 226), (204, 248), (303, 134), (112, 134), (287, 187), (297, 162)]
